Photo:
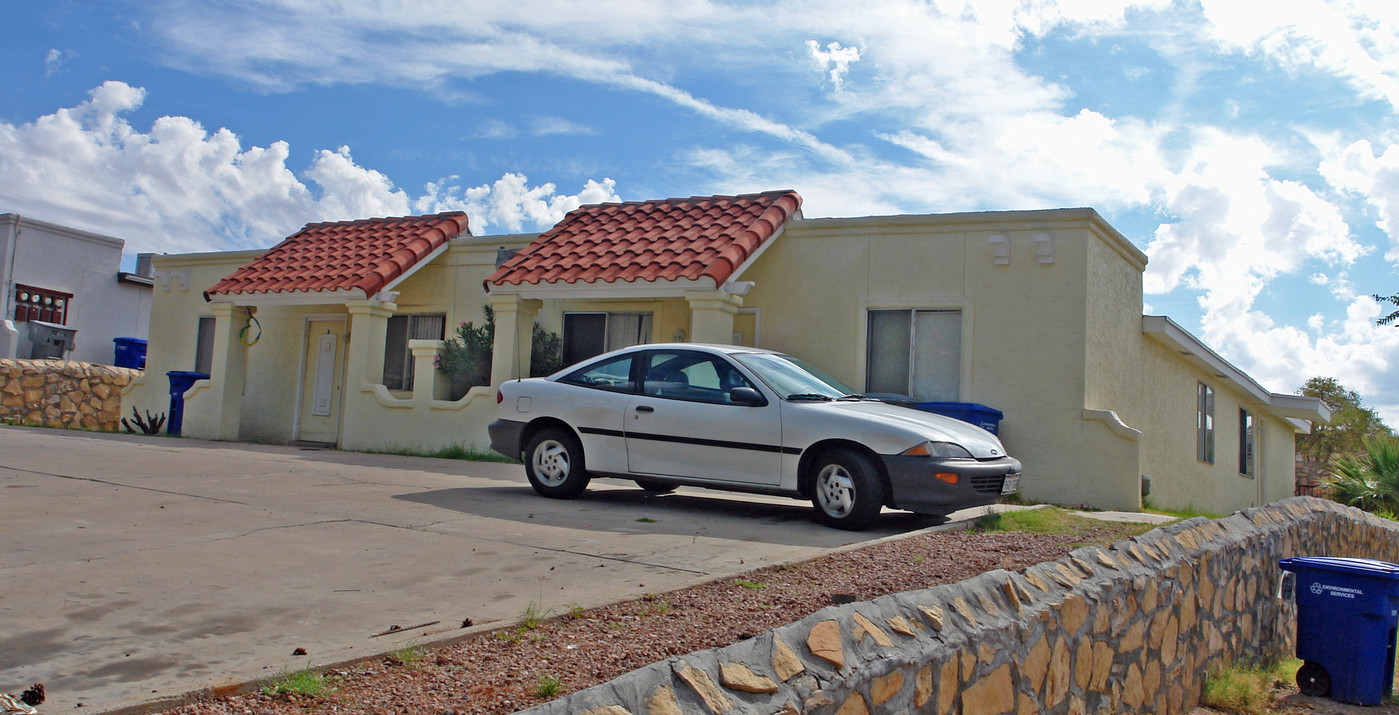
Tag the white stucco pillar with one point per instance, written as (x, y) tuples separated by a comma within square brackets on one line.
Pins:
[(712, 315), (514, 325), (228, 370), (426, 386), (364, 368)]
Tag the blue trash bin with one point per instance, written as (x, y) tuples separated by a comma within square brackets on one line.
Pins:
[(1347, 610), (180, 380), (987, 418), (130, 352)]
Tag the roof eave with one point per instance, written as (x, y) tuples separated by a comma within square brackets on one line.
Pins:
[(675, 288), (299, 297), (1290, 407)]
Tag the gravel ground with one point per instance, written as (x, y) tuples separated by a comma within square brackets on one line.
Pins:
[(509, 670)]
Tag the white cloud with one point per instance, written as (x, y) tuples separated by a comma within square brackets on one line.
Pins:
[(54, 61), (835, 60), (510, 203), (1355, 40), (546, 126), (1356, 168), (178, 187)]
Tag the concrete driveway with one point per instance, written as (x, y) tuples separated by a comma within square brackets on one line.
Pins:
[(138, 568)]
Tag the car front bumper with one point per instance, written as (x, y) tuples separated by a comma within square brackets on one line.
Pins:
[(914, 487), (505, 437)]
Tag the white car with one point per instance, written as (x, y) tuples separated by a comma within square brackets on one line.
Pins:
[(748, 420)]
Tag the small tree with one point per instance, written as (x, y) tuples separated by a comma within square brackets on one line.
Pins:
[(545, 352), (466, 357), (1351, 421), (1369, 480)]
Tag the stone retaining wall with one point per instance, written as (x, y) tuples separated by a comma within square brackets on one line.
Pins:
[(1129, 628), (62, 393)]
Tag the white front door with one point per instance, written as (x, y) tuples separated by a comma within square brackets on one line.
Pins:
[(321, 381)]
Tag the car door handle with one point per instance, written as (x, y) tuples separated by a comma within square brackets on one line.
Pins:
[(645, 408)]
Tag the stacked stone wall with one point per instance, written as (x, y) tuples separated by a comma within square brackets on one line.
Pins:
[(1134, 627), (62, 393)]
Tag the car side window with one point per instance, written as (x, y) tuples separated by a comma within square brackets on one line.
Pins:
[(613, 375), (694, 376)]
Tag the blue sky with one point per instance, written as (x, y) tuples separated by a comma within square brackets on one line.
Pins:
[(1253, 155)]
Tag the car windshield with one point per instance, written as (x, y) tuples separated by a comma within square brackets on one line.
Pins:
[(791, 378)]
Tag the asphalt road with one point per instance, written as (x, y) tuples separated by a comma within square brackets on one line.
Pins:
[(139, 568)]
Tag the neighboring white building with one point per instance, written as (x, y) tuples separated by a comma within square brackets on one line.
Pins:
[(68, 277)]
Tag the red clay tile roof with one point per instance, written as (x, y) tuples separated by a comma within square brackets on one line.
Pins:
[(365, 254), (666, 240)]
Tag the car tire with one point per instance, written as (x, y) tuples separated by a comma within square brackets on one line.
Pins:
[(655, 486), (554, 464), (846, 490)]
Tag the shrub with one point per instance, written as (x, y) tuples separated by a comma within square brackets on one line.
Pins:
[(1369, 480), (465, 358)]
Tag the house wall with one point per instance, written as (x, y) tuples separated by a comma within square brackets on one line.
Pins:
[(1178, 479), (177, 303), (1026, 325), (85, 264)]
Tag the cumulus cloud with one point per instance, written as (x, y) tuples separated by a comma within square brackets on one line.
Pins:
[(835, 60), (1358, 169), (510, 203), (178, 187)]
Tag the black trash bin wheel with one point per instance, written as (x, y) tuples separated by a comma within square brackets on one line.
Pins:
[(1313, 680)]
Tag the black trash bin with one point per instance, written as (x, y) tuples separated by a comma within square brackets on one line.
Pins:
[(180, 381), (1347, 611)]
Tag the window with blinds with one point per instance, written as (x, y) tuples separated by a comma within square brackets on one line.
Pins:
[(915, 352), (398, 359)]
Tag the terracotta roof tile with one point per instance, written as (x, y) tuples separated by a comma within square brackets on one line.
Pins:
[(666, 240), (366, 254)]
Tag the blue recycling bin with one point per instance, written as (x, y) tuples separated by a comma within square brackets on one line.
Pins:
[(987, 418), (130, 352), (1347, 611), (180, 380)]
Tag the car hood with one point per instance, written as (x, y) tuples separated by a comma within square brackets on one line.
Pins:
[(937, 428)]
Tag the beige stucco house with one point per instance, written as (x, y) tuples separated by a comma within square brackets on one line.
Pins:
[(330, 337)]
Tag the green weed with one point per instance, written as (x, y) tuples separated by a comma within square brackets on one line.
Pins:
[(304, 682), (1247, 689), (409, 656), (451, 451), (749, 584), (548, 686)]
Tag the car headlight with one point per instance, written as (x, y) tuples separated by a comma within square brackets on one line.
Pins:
[(945, 450)]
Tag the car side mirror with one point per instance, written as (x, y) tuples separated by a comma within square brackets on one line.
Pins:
[(747, 396)]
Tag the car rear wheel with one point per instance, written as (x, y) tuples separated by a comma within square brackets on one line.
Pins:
[(554, 464), (846, 492), (655, 486)]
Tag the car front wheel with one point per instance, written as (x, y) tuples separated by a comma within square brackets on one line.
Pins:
[(554, 464), (847, 492)]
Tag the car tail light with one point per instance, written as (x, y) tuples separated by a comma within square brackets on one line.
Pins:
[(499, 397)]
